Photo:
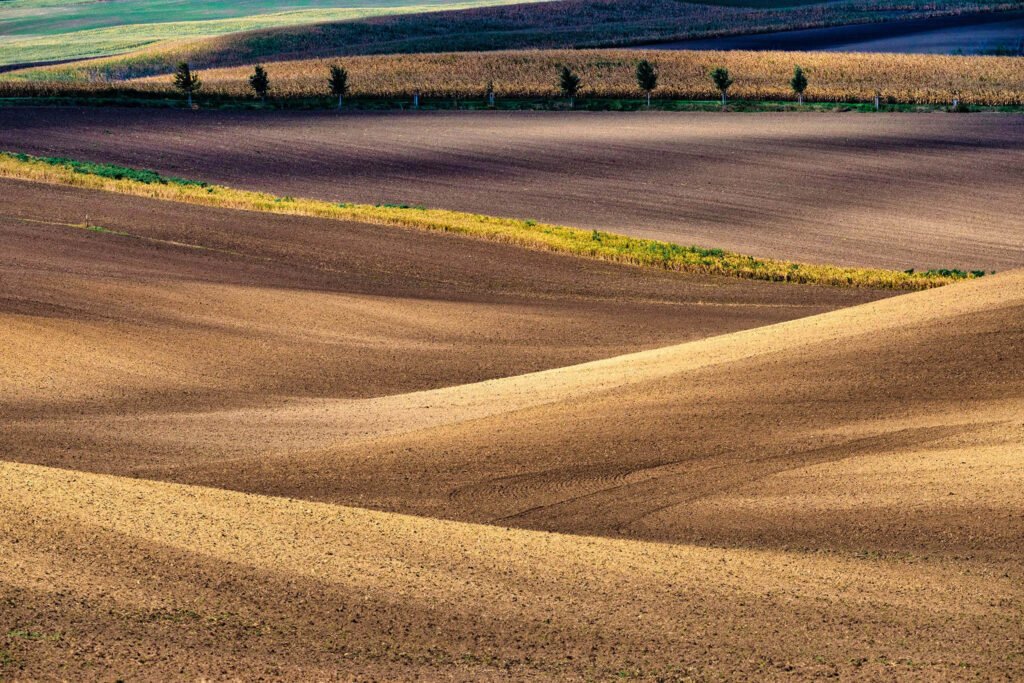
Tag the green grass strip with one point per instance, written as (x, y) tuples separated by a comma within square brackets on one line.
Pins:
[(107, 170)]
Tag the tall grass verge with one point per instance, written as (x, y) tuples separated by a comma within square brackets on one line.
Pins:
[(593, 244)]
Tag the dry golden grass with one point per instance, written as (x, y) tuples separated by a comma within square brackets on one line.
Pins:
[(916, 79), (834, 77)]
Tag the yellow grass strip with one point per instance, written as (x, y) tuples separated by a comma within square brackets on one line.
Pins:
[(525, 233)]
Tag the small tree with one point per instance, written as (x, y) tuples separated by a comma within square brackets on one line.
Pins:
[(720, 77), (798, 83), (338, 80), (646, 78), (186, 81), (570, 85), (260, 82)]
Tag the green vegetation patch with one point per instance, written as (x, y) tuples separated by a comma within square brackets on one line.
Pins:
[(107, 170), (25, 634)]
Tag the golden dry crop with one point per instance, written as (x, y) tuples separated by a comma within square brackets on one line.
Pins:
[(834, 77)]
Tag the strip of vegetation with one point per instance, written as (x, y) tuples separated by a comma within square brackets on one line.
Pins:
[(508, 104), (596, 79), (526, 233), (107, 170)]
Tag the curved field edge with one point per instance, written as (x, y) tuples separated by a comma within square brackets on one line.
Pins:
[(530, 234), (130, 37), (565, 24)]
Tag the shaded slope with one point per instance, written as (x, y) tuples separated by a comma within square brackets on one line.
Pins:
[(277, 307), (928, 191), (674, 444), (892, 426), (973, 34)]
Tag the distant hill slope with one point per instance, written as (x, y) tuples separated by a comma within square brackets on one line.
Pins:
[(36, 31), (996, 33), (565, 23)]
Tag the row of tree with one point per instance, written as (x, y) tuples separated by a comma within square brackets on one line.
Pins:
[(188, 82), (647, 79), (570, 83)]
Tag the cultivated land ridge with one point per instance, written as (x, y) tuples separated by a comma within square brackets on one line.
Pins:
[(312, 424)]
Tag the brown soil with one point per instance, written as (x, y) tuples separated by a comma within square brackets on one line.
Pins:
[(894, 190), (731, 493), (278, 306)]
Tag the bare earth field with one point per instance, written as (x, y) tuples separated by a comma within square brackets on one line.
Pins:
[(901, 191), (971, 34), (244, 445), (283, 307)]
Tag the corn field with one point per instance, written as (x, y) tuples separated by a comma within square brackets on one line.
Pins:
[(834, 77)]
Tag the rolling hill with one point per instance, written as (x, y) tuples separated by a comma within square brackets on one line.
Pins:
[(614, 471), (559, 24), (39, 31)]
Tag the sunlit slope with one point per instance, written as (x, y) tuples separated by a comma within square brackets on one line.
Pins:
[(824, 432), (45, 31), (103, 576), (892, 426)]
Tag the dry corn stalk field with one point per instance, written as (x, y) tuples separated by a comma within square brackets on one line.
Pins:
[(916, 79)]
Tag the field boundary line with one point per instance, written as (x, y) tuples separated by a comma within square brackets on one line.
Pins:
[(592, 244)]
